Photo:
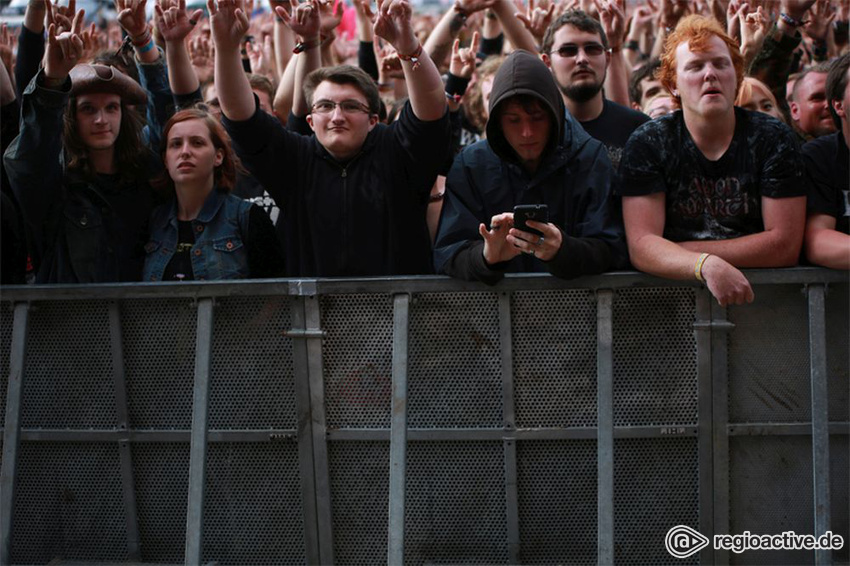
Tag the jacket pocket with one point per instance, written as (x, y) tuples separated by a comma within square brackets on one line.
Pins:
[(231, 258)]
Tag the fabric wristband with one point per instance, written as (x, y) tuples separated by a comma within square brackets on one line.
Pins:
[(147, 47), (456, 86), (698, 267)]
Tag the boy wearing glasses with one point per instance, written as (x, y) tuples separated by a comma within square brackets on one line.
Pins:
[(711, 188), (535, 153), (577, 51), (348, 195)]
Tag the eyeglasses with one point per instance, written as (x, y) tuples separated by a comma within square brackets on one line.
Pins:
[(346, 106), (571, 50)]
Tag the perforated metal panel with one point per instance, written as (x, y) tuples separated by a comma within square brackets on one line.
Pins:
[(252, 505), (69, 381), (656, 487), (455, 503), (253, 386), (769, 358), (161, 477), (357, 358), (839, 491), (837, 308), (557, 501), (554, 348), (771, 507), (454, 375), (159, 354), (360, 486), (68, 503), (655, 375), (7, 317)]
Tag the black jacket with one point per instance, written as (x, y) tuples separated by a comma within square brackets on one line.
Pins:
[(363, 217), (573, 179)]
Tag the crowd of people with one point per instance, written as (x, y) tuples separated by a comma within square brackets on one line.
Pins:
[(684, 138)]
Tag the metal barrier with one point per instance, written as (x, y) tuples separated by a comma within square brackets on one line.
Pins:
[(421, 420)]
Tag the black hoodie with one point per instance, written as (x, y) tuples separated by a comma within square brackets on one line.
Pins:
[(574, 179)]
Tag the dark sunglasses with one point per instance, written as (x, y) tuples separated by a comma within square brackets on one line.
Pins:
[(571, 50)]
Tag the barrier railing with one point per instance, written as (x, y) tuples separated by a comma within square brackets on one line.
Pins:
[(422, 420)]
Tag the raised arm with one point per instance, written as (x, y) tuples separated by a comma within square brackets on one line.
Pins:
[(174, 25), (514, 29), (305, 23), (612, 14), (229, 24), (424, 85)]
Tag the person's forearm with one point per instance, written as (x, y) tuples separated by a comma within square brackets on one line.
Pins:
[(425, 88), (617, 80), (491, 28), (307, 62), (771, 248), (658, 256), (439, 43), (34, 16), (181, 74), (284, 42), (234, 90), (285, 89), (514, 30), (828, 248)]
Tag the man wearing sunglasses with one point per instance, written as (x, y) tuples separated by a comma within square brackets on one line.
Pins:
[(354, 197), (577, 51)]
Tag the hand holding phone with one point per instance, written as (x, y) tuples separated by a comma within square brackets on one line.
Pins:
[(525, 212)]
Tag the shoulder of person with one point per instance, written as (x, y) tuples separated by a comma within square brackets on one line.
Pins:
[(823, 147), (625, 113)]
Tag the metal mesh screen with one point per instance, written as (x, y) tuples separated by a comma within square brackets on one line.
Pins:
[(839, 492), (557, 501), (159, 354), (252, 505), (769, 358), (360, 485), (161, 476), (357, 359), (252, 386), (771, 507), (838, 360), (68, 503), (69, 381), (656, 487), (455, 503), (554, 351), (655, 364), (455, 377), (7, 317)]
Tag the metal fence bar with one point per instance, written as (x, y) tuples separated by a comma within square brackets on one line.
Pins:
[(398, 430), (12, 427), (198, 445), (305, 434), (321, 473), (720, 418), (509, 416), (128, 485), (704, 417), (605, 426), (820, 416)]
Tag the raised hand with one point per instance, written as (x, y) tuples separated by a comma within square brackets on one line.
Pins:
[(463, 60), (7, 48), (822, 16), (394, 25), (330, 15), (64, 51), (261, 57), (726, 283), (754, 27), (304, 21), (472, 6), (228, 23), (389, 65), (131, 16), (60, 16), (92, 42), (174, 24), (202, 57), (612, 15), (537, 20)]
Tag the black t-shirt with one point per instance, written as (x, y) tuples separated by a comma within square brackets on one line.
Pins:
[(713, 200), (614, 127), (827, 167)]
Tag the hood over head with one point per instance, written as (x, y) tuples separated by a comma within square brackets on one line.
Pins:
[(523, 73)]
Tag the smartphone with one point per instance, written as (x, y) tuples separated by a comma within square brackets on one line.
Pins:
[(524, 212)]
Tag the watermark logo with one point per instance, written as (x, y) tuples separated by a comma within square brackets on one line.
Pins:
[(682, 541)]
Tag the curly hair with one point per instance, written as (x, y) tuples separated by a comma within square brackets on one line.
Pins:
[(473, 104), (697, 31)]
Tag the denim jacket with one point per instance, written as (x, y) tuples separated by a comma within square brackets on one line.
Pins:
[(220, 230)]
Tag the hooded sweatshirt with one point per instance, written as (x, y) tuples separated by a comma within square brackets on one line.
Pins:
[(573, 179)]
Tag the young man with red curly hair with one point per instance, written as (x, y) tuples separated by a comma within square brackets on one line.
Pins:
[(711, 188)]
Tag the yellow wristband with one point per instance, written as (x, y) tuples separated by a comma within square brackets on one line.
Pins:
[(698, 267)]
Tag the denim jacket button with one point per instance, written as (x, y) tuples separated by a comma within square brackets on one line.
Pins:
[(229, 245), (199, 228), (198, 251)]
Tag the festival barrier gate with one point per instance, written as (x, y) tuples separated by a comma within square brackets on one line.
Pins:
[(421, 420)]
